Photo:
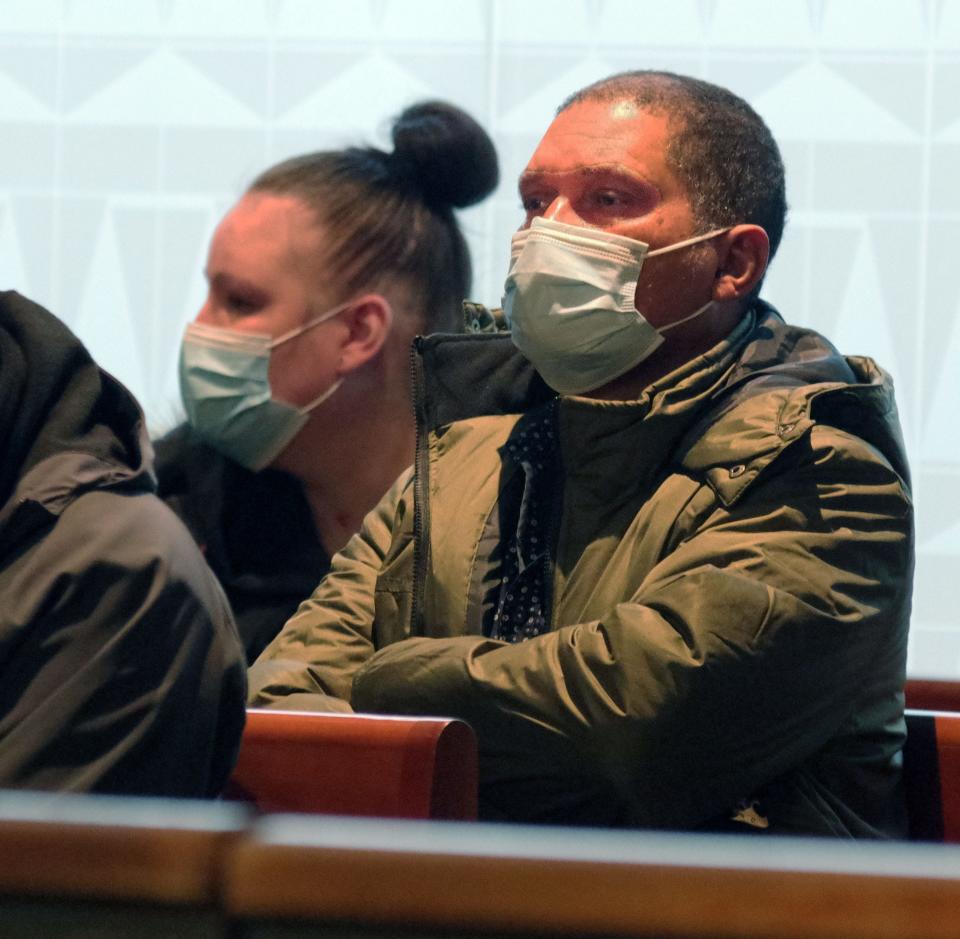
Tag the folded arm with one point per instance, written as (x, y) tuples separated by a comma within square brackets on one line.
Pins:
[(738, 657), (311, 663)]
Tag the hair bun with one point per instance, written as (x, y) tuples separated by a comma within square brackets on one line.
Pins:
[(445, 154)]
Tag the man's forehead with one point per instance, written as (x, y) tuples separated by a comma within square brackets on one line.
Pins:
[(595, 133)]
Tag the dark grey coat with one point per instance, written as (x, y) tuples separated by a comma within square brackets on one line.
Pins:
[(120, 666)]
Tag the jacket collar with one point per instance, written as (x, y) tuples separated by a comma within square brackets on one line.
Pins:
[(764, 386), (787, 380), (595, 434), (68, 428), (53, 484)]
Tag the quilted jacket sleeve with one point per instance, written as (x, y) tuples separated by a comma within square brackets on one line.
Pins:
[(311, 663), (747, 649)]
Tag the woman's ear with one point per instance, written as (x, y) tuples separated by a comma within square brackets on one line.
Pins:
[(742, 257), (368, 320)]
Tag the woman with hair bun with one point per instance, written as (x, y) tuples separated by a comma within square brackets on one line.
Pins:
[(295, 373)]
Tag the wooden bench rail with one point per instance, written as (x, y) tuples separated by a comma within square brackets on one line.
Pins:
[(155, 850), (356, 764), (81, 866), (514, 881)]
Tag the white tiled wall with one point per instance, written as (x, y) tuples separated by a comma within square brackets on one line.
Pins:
[(128, 126)]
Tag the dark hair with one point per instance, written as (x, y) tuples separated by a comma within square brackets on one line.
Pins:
[(720, 148), (392, 213)]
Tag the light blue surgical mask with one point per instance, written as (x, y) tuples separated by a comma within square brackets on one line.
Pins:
[(225, 386), (569, 299)]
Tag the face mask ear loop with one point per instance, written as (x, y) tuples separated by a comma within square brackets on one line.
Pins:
[(323, 397), (686, 319), (689, 241), (299, 330)]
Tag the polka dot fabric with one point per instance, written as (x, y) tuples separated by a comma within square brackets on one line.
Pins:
[(521, 611)]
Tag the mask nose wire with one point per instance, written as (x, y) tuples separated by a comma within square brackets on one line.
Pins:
[(558, 206)]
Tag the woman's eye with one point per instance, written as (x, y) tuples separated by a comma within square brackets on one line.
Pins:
[(240, 304)]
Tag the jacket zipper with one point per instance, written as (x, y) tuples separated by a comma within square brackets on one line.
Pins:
[(421, 490)]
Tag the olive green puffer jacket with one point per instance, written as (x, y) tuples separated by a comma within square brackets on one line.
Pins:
[(731, 567)]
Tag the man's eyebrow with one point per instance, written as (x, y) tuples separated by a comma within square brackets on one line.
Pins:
[(604, 169)]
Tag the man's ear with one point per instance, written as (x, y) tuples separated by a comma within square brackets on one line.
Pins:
[(742, 255), (368, 320)]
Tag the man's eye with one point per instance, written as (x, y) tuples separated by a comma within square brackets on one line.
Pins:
[(533, 204), (607, 198)]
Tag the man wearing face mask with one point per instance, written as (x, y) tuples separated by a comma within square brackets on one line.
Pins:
[(657, 546)]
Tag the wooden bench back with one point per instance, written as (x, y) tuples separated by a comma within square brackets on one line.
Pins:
[(355, 764), (931, 770), (923, 694)]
